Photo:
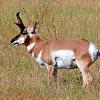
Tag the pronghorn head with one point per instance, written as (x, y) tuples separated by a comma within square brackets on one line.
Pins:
[(25, 33)]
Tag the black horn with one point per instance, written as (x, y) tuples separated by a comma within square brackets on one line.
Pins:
[(19, 22)]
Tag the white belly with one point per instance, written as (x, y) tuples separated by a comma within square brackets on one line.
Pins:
[(63, 59), (60, 59)]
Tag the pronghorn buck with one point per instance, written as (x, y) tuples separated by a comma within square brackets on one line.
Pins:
[(58, 54)]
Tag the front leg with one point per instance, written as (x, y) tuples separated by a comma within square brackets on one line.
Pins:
[(52, 74)]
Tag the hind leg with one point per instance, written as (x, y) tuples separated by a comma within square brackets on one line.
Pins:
[(86, 73)]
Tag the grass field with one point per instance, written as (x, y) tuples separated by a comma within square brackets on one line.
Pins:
[(21, 78)]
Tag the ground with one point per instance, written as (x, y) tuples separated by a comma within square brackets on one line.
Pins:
[(21, 78)]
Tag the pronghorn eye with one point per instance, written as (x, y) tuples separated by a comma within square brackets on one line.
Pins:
[(24, 32)]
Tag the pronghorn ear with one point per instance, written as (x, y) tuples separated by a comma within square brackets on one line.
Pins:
[(33, 29), (35, 25), (19, 22)]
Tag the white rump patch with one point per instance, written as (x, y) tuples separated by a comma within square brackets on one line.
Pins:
[(93, 51), (29, 47), (63, 58)]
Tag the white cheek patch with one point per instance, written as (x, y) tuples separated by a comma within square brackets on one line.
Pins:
[(29, 47), (63, 58), (21, 40)]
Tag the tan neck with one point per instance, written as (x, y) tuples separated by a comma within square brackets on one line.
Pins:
[(35, 39)]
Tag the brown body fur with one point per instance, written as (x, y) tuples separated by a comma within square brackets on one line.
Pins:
[(79, 47)]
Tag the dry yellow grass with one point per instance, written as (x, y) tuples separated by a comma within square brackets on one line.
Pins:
[(21, 78)]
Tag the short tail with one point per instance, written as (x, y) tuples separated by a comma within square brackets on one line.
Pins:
[(99, 53)]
